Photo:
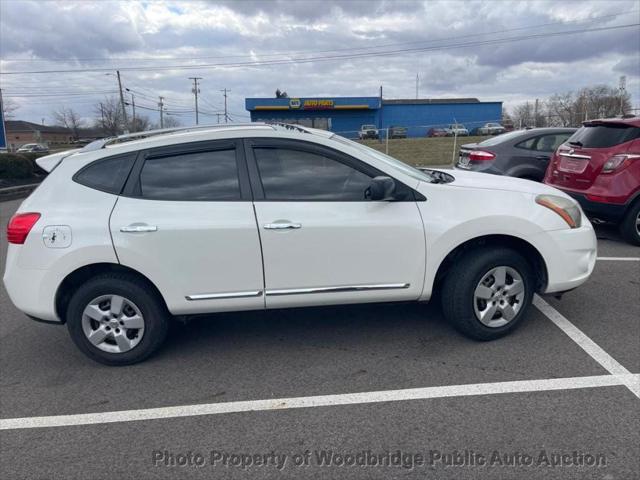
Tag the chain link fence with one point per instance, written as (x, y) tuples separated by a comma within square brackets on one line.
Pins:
[(424, 145)]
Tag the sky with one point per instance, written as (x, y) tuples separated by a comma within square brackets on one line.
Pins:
[(496, 50)]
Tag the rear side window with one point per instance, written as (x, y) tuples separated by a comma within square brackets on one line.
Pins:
[(108, 175), (604, 135), (544, 143), (200, 176), (549, 143)]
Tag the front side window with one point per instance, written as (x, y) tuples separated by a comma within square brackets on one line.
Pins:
[(200, 176), (298, 175)]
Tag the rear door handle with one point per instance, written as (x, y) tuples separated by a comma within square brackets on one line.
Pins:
[(138, 228), (282, 226)]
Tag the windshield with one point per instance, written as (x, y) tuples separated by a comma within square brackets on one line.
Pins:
[(392, 162), (368, 127)]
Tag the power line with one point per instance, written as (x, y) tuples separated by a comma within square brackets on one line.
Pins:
[(368, 47), (259, 63)]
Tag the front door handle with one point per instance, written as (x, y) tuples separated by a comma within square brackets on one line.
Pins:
[(282, 226), (138, 228)]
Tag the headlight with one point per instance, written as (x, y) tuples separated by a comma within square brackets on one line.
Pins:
[(567, 209)]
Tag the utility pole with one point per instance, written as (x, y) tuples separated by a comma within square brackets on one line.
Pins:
[(124, 111), (380, 111), (161, 105), (535, 114), (195, 91), (218, 115), (226, 115), (102, 116), (133, 108), (623, 90), (417, 84)]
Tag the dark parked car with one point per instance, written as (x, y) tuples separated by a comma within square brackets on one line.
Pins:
[(600, 167), (437, 132), (521, 153), (397, 132)]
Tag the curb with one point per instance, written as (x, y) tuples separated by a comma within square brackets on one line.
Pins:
[(19, 191)]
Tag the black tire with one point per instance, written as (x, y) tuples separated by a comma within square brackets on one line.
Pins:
[(628, 228), (155, 314), (463, 278)]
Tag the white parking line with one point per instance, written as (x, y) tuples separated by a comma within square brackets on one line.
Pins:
[(318, 401), (620, 259), (592, 348)]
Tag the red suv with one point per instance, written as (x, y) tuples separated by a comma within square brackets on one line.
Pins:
[(599, 166)]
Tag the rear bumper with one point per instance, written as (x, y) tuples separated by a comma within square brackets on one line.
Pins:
[(611, 212), (31, 290), (570, 256)]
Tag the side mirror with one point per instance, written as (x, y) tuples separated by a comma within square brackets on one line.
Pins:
[(381, 188)]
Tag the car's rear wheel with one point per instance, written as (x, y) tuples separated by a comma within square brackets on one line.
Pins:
[(630, 226), (117, 319), (487, 292)]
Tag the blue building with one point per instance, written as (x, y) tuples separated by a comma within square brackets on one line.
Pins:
[(345, 115)]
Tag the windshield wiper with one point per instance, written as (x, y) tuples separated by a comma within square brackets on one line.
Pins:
[(577, 143)]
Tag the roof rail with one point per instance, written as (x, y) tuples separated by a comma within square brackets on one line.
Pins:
[(129, 137)]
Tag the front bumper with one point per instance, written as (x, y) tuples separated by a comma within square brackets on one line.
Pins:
[(569, 255)]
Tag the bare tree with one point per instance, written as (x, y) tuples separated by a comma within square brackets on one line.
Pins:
[(522, 115), (563, 110), (169, 121), (140, 124), (8, 108), (68, 118), (109, 116)]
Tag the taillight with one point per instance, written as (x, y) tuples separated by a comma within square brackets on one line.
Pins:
[(618, 162), (480, 156), (20, 225)]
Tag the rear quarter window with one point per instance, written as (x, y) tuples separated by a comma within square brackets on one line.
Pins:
[(107, 174)]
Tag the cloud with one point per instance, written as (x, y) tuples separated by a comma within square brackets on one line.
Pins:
[(119, 34)]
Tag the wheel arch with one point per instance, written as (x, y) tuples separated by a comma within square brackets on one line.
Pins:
[(526, 249), (77, 277)]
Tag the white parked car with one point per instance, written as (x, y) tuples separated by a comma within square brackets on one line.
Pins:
[(128, 232), (491, 129), (457, 129), (33, 148), (368, 131)]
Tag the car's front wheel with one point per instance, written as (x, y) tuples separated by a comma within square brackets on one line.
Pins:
[(487, 292), (117, 319)]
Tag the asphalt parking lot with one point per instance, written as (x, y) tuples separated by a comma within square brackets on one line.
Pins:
[(392, 384)]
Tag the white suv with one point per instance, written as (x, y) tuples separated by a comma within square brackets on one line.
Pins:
[(128, 232)]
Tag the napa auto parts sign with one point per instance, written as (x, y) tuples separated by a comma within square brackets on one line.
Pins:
[(311, 104)]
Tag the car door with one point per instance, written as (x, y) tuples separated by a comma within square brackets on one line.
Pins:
[(322, 241), (186, 221), (525, 160)]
